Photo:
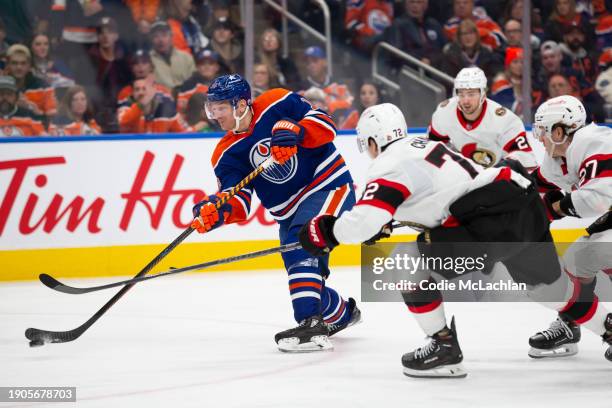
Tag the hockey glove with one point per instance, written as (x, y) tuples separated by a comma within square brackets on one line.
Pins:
[(286, 135), (385, 232), (207, 216), (317, 236), (549, 198)]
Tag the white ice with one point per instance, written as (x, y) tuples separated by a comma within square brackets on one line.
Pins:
[(206, 340)]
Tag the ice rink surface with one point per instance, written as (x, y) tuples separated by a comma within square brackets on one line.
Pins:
[(206, 340)]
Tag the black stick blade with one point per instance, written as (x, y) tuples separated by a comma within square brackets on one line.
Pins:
[(38, 336), (52, 283)]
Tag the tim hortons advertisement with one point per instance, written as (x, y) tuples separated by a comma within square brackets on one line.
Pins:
[(117, 193)]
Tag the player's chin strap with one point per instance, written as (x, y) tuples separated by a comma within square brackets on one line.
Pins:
[(239, 118)]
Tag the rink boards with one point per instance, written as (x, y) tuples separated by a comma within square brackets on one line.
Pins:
[(103, 206)]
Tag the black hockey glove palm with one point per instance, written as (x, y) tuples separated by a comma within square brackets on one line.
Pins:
[(317, 236), (549, 198)]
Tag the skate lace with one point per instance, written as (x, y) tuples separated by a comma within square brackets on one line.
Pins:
[(424, 351), (557, 328)]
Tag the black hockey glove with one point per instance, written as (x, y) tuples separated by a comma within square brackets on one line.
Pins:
[(549, 198), (317, 236), (385, 232), (601, 224)]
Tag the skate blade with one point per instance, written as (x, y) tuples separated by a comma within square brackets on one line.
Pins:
[(447, 371), (316, 343), (565, 350)]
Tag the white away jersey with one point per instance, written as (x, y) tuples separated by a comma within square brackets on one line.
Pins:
[(496, 134), (414, 180), (586, 171)]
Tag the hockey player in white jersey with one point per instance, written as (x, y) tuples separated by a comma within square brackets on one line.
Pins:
[(577, 171), (424, 182), (479, 128)]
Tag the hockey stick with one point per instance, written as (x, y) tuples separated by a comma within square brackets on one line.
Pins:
[(39, 337), (60, 287), (54, 284)]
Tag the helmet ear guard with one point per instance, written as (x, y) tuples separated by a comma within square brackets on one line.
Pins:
[(383, 123)]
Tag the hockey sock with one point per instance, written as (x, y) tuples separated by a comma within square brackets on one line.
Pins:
[(584, 308), (333, 308), (305, 284), (427, 308)]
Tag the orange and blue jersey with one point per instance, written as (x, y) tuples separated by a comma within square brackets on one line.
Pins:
[(317, 166)]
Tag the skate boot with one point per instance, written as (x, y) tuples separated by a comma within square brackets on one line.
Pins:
[(607, 337), (441, 358), (355, 318), (559, 340), (311, 335)]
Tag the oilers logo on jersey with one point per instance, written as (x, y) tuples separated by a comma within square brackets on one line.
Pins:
[(276, 174)]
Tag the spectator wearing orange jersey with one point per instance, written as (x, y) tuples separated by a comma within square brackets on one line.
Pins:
[(369, 95), (36, 94), (507, 85), (491, 35), (338, 95), (187, 33), (366, 20), (142, 67), (152, 112), (16, 120), (144, 13), (207, 69), (75, 115)]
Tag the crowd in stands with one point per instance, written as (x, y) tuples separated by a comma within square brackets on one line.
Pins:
[(73, 67)]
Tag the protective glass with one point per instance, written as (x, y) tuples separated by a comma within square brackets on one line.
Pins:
[(217, 109)]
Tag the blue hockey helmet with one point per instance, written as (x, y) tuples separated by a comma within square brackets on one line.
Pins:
[(231, 88)]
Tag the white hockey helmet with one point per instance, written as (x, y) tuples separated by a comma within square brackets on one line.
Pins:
[(564, 110), (471, 78), (384, 123)]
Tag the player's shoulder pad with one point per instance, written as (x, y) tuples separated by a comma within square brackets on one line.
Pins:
[(269, 98), (590, 140)]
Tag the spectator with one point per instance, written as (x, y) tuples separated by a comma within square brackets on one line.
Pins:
[(142, 67), (207, 69), (187, 34), (317, 98), (111, 72), (220, 11), (365, 21), (573, 47), (507, 85), (3, 45), (144, 13), (603, 32), (514, 11), (489, 31), (369, 95), (467, 51), (172, 67), (420, 36), (227, 46), (338, 95), (16, 120), (564, 13), (52, 70), (75, 115), (195, 115), (513, 30), (261, 80), (552, 56), (74, 22), (152, 112), (36, 94), (558, 85), (283, 70)]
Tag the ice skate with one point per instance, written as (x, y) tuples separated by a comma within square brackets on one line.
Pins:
[(559, 340), (355, 318), (311, 335), (441, 358)]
